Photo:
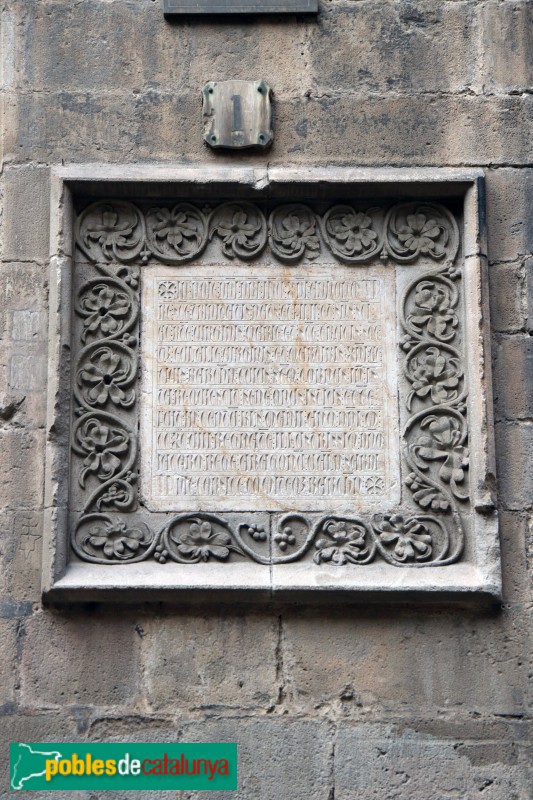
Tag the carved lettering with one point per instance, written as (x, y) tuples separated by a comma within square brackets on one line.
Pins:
[(265, 392)]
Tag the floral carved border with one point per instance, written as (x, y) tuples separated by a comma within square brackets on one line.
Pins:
[(118, 238), (118, 231)]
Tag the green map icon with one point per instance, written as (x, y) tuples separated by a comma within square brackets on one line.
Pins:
[(28, 764)]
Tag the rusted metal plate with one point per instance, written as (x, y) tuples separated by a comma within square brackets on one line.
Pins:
[(237, 114), (173, 7)]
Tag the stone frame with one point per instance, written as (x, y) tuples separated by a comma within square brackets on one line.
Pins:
[(359, 558)]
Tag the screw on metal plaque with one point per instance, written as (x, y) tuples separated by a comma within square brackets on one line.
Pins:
[(237, 114)]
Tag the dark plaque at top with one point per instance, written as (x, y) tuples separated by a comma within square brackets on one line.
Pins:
[(176, 7)]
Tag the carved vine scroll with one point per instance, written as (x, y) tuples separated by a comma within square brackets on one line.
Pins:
[(118, 238)]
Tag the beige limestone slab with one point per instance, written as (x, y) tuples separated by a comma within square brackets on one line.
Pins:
[(269, 388)]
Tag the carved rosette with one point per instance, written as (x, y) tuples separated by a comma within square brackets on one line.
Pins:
[(116, 237), (118, 231), (175, 235)]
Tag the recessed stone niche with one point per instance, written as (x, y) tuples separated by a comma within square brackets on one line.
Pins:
[(269, 385)]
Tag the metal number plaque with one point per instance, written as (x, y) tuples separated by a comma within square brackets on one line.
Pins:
[(237, 114), (177, 7)]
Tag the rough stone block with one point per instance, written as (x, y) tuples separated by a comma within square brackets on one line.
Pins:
[(22, 465), (514, 456), (6, 537), (509, 221), (184, 56), (529, 293), (401, 47), (373, 761), (402, 130), (24, 344), (391, 660), (513, 372), (8, 637), (23, 544), (211, 661), (245, 51), (513, 537), (278, 758), (103, 48), (107, 127), (26, 214), (28, 325), (507, 311), (399, 130), (23, 289), (94, 660), (27, 372), (507, 49)]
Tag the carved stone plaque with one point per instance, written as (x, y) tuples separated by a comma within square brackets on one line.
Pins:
[(273, 395), (269, 389)]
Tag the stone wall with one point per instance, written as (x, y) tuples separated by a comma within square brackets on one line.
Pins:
[(333, 704)]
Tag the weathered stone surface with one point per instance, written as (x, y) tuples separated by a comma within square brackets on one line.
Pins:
[(507, 307), (22, 464), (8, 662), (514, 448), (102, 654), (406, 47), (509, 221), (528, 266), (277, 757), (26, 214), (507, 55), (371, 659), (514, 536), (391, 130), (181, 55), (513, 390), (373, 761), (22, 551), (205, 661)]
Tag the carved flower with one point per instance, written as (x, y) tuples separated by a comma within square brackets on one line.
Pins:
[(105, 374), (201, 542), (103, 445), (411, 538), (433, 302), (426, 495), (167, 290), (346, 543), (354, 230), (175, 226), (419, 234), (103, 309), (298, 232), (117, 540), (443, 442), (436, 373), (374, 485), (111, 232), (237, 232)]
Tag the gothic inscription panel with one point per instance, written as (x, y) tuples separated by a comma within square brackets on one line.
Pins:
[(269, 389), (271, 395)]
